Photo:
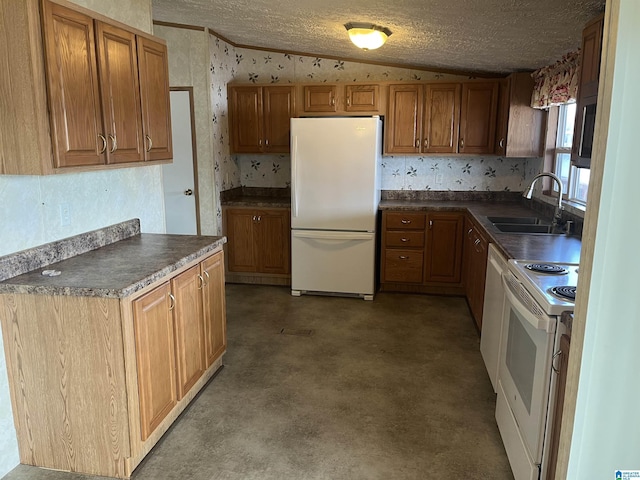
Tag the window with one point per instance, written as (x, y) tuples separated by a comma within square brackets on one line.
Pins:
[(575, 181)]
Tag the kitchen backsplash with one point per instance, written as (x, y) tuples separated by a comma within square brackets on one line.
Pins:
[(411, 173)]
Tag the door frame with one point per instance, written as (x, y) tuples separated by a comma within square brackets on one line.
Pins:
[(194, 149)]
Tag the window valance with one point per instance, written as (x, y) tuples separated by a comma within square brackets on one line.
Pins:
[(557, 84)]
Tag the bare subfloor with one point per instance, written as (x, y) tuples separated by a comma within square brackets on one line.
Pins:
[(392, 389)]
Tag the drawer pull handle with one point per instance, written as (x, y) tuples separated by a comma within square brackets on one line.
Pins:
[(172, 302), (403, 257), (405, 222), (469, 232), (404, 239), (200, 282), (206, 274)]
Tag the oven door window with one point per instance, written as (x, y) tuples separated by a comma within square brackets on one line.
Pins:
[(521, 359)]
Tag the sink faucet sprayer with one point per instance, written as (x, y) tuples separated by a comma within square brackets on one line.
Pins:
[(528, 193)]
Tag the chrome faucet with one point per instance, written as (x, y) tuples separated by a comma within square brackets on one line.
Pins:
[(528, 193)]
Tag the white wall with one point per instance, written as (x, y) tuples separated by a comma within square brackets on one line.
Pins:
[(606, 434), (29, 208)]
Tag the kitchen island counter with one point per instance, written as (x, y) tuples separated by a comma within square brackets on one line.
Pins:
[(549, 248)]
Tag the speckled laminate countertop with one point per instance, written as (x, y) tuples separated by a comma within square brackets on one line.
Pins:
[(256, 197), (116, 270), (548, 248)]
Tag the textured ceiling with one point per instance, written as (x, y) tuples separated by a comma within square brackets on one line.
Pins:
[(467, 35)]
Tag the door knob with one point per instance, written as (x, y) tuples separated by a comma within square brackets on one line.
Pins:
[(188, 192)]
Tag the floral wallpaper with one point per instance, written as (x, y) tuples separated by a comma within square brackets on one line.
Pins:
[(240, 65)]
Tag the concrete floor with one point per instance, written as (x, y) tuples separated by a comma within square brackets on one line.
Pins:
[(389, 389)]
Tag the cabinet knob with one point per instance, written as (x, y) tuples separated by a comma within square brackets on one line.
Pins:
[(462, 143), (114, 143), (259, 218), (149, 143), (417, 143), (266, 142), (501, 143), (404, 239), (404, 221), (333, 101), (403, 257), (104, 144), (426, 142), (469, 232), (430, 223), (188, 192), (348, 101)]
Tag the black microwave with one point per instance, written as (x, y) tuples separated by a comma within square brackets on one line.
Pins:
[(586, 123)]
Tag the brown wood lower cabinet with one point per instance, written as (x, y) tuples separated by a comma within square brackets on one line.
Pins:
[(475, 262), (421, 252), (122, 369), (259, 246)]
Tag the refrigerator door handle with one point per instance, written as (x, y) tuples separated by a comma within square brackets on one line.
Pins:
[(316, 235), (294, 183)]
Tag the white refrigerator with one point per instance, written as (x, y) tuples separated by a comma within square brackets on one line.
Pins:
[(335, 191)]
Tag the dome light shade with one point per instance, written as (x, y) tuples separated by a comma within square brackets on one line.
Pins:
[(367, 36)]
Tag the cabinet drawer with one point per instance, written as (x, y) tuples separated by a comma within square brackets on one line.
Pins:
[(403, 266), (406, 221), (404, 239)]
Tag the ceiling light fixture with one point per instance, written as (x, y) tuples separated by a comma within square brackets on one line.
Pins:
[(367, 36)]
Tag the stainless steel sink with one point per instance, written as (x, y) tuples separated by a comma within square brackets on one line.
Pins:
[(525, 225), (516, 220), (524, 228)]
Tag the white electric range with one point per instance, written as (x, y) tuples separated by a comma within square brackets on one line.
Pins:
[(541, 278), (529, 359)]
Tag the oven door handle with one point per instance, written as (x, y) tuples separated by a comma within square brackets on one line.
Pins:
[(526, 306)]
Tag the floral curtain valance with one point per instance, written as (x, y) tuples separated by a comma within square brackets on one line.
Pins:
[(557, 84)]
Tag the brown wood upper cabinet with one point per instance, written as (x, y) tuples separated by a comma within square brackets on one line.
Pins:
[(84, 69), (259, 118), (343, 99), (478, 117), (520, 128), (441, 118), (154, 92)]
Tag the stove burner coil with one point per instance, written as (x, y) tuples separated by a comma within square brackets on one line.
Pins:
[(546, 268), (565, 291)]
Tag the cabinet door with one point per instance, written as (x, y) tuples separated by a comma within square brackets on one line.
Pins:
[(241, 234), (273, 250), (361, 98), (444, 248), (215, 318), (320, 98), (591, 52), (245, 119), (189, 328), (478, 117), (278, 110), (154, 92), (155, 357), (72, 80), (520, 129), (122, 119), (441, 118), (404, 119)]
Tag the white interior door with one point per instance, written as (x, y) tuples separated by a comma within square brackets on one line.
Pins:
[(180, 192)]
